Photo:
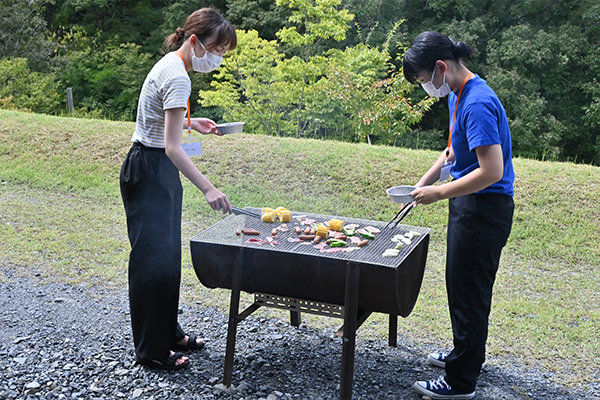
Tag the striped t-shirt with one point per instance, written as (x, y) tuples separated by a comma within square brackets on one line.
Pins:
[(167, 86)]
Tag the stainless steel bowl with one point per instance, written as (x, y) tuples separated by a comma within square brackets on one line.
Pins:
[(230, 127), (401, 194)]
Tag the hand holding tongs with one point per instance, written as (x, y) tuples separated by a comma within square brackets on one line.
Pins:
[(238, 211), (402, 213)]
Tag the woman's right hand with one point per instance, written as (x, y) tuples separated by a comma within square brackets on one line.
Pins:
[(218, 200)]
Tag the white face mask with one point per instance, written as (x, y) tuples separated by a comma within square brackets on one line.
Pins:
[(207, 63), (431, 90)]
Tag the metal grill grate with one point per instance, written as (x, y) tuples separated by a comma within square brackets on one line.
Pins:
[(224, 233)]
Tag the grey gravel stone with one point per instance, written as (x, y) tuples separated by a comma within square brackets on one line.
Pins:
[(60, 341), (33, 385)]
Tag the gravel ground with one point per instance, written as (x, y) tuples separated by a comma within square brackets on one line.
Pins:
[(60, 341)]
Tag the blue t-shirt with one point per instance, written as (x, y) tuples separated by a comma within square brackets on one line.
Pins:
[(480, 120)]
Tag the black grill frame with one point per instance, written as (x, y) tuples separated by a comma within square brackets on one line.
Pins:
[(360, 282)]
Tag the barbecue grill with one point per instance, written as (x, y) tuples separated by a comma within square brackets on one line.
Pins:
[(299, 278)]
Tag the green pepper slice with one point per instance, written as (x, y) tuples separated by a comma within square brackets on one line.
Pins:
[(337, 243), (367, 235), (348, 232)]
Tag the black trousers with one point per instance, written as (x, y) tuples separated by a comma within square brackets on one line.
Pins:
[(152, 196), (478, 228)]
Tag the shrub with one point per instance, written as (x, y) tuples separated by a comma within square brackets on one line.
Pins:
[(24, 89)]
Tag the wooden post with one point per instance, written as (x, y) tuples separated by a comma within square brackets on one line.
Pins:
[(70, 100)]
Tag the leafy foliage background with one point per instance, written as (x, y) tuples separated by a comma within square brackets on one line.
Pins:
[(540, 56)]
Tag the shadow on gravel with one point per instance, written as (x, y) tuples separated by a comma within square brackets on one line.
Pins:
[(61, 341)]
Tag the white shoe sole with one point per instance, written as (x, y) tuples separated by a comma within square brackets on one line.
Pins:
[(428, 393)]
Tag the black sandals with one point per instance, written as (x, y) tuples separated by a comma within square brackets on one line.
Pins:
[(169, 364), (191, 345)]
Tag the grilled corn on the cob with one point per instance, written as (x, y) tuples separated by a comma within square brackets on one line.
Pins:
[(322, 231), (284, 215), (269, 216), (336, 225)]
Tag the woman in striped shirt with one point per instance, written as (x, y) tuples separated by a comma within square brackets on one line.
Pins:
[(152, 191)]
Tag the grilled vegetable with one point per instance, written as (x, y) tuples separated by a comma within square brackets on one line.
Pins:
[(279, 209), (322, 231), (336, 225), (391, 253), (265, 210), (367, 235), (348, 232), (285, 215), (337, 243), (269, 217)]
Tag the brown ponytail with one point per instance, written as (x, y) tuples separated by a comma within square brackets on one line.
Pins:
[(203, 23)]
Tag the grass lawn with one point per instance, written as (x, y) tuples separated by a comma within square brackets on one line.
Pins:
[(61, 216)]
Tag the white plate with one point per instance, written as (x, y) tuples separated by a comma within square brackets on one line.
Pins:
[(401, 194), (230, 127)]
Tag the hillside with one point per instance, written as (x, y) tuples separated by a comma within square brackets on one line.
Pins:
[(61, 215)]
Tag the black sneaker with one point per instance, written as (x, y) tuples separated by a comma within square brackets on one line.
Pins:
[(439, 389), (438, 359)]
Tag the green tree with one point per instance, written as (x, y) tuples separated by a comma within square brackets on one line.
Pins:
[(24, 89), (263, 16), (247, 88), (106, 77), (318, 20), (23, 32), (276, 88), (329, 94)]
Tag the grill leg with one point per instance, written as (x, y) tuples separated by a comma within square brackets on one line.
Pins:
[(295, 318), (234, 307), (393, 332), (350, 323)]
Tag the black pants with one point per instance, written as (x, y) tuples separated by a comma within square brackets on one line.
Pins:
[(478, 228), (152, 196)]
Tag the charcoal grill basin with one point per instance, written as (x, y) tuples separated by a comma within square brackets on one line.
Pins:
[(387, 285)]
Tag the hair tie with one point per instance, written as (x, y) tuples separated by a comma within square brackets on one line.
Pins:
[(180, 33)]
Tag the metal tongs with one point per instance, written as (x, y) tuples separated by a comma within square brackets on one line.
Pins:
[(238, 211), (402, 213)]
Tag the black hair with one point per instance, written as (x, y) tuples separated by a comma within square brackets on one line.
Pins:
[(427, 48)]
